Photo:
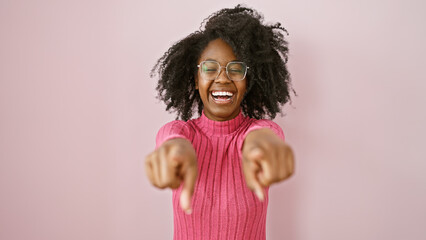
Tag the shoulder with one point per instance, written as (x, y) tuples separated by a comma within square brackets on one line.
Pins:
[(265, 123), (176, 125), (175, 129)]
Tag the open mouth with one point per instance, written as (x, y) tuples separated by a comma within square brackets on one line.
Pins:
[(222, 96)]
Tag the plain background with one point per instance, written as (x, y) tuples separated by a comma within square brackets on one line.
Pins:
[(78, 115)]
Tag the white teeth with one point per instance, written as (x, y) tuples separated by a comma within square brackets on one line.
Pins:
[(229, 94)]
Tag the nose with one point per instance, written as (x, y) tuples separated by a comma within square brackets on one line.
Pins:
[(223, 77)]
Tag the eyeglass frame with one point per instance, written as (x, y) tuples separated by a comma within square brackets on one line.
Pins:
[(226, 69)]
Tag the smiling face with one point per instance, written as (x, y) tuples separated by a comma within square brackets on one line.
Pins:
[(221, 97)]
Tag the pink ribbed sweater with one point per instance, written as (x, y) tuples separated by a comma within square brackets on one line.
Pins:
[(223, 207)]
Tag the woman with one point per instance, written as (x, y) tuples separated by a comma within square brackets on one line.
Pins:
[(221, 164)]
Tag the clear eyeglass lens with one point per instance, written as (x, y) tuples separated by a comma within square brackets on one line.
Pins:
[(235, 70), (210, 70)]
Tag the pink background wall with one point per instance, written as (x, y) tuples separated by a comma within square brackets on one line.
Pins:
[(78, 115)]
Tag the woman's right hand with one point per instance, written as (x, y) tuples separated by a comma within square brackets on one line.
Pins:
[(170, 164)]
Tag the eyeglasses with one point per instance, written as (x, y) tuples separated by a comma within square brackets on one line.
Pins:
[(210, 70)]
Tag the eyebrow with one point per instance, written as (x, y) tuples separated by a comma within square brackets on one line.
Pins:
[(211, 59)]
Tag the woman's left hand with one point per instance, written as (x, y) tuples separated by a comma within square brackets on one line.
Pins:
[(267, 159)]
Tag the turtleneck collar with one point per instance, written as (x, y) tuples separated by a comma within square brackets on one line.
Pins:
[(212, 127)]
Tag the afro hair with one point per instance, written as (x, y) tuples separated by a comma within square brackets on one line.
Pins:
[(261, 46)]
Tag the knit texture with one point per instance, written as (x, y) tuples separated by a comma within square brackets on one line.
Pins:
[(223, 207)]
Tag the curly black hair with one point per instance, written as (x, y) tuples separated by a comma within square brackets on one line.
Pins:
[(260, 46)]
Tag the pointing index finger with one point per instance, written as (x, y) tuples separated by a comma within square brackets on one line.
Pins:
[(190, 177), (251, 171)]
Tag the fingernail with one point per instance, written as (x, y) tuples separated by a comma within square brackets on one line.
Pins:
[(259, 195), (184, 203)]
